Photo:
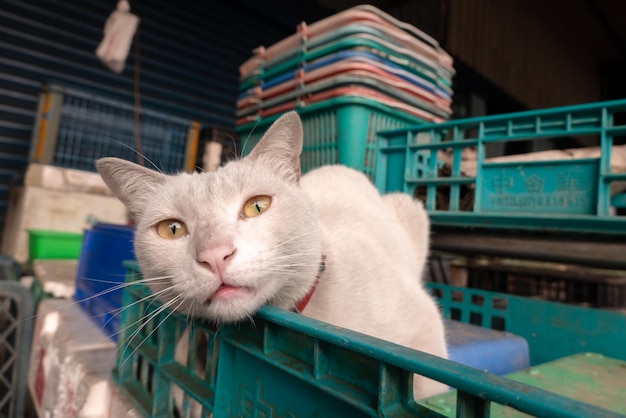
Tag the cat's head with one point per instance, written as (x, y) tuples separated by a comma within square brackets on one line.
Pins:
[(221, 244)]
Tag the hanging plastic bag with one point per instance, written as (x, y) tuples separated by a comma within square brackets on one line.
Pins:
[(119, 30)]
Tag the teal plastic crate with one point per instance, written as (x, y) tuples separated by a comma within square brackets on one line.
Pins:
[(282, 364), (556, 195), (337, 131)]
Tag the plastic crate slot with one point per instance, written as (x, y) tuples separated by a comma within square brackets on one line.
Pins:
[(456, 296), (200, 352), (145, 374), (174, 376), (476, 318), (455, 313), (498, 323), (190, 407), (291, 344), (358, 373), (395, 389), (321, 362), (499, 303), (478, 300)]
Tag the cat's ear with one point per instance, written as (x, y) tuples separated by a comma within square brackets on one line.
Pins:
[(130, 182), (281, 146)]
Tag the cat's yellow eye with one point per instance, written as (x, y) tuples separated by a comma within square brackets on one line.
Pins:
[(171, 229), (256, 206)]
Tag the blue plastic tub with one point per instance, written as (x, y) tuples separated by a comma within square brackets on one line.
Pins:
[(100, 273)]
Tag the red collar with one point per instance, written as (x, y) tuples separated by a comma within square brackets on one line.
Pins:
[(305, 300)]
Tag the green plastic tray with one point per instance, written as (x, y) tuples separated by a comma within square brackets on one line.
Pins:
[(336, 131), (282, 364), (43, 244)]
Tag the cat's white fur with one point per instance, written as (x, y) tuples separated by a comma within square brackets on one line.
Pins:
[(375, 247)]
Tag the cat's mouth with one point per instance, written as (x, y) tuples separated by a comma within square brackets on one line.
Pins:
[(227, 292)]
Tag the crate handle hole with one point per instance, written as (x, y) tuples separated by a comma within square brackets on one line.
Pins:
[(499, 303), (498, 323), (455, 314), (476, 318)]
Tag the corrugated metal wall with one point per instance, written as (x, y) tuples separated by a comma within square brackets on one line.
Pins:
[(189, 56)]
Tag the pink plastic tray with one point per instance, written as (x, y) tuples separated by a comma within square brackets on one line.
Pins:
[(340, 92), (401, 32), (356, 67)]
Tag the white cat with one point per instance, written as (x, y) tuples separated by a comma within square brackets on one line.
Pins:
[(255, 232)]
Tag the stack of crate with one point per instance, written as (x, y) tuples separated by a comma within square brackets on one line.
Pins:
[(543, 225), (348, 76)]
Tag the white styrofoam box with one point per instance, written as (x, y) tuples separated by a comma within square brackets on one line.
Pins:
[(65, 179), (56, 199), (57, 277), (70, 367)]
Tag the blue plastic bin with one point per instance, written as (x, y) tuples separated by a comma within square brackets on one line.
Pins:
[(100, 274), (486, 349)]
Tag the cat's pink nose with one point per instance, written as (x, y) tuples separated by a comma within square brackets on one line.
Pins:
[(217, 258)]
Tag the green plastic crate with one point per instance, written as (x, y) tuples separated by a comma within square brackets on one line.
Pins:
[(282, 364), (337, 131), (556, 195), (43, 244)]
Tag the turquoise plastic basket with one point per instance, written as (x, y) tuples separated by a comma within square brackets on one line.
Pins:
[(556, 195), (337, 131), (283, 364)]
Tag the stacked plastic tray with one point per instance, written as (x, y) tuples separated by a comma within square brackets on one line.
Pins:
[(348, 76)]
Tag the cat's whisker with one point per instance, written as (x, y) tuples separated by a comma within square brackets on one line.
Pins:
[(119, 310), (296, 237), (128, 326), (157, 326), (146, 321), (96, 295), (138, 153), (140, 319), (243, 146), (143, 280)]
